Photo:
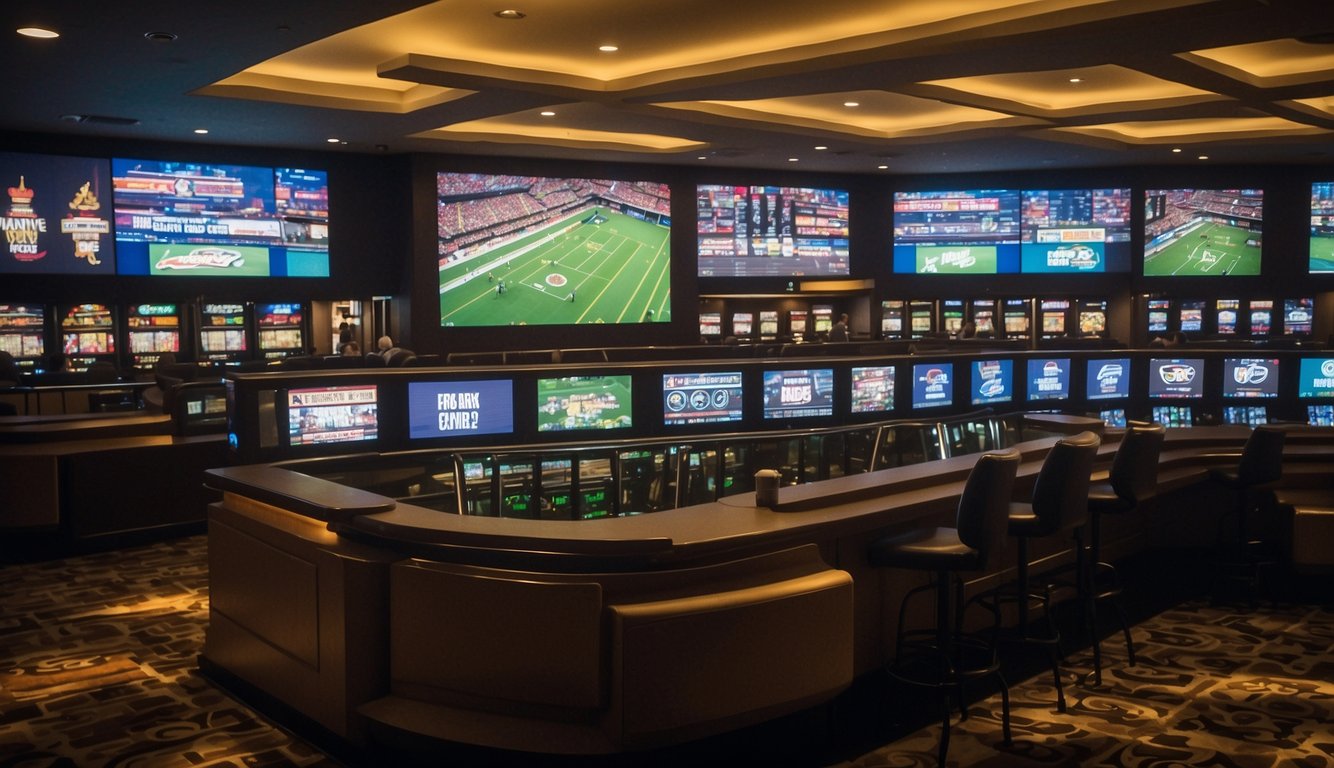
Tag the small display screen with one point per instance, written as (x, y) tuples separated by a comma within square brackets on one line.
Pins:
[(742, 323), (1115, 417), (1297, 316), (1192, 316), (459, 408), (932, 385), (710, 324), (1158, 315), (1315, 378), (1262, 317), (1108, 379), (1226, 313), (701, 398), (1320, 415), (873, 389), (1176, 378), (1172, 416), (1049, 379), (798, 394), (1250, 415), (343, 414), (1250, 377), (583, 402), (768, 323), (992, 381)]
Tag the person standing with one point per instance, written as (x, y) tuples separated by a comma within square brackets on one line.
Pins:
[(839, 331)]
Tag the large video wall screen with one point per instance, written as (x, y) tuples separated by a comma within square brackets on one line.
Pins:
[(55, 216), (771, 231), (1202, 232)]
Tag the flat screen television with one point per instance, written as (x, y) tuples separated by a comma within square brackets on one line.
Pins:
[(1250, 415), (872, 389), (1250, 377), (1298, 316), (1315, 378), (180, 219), (1173, 416), (340, 414), (1202, 232), (1320, 415), (460, 408), (1225, 315), (1108, 378), (713, 397), (1171, 378), (960, 232), (992, 381), (583, 402), (932, 385), (798, 394), (55, 218), (531, 250), (771, 231), (1321, 258), (1049, 378), (1075, 231)]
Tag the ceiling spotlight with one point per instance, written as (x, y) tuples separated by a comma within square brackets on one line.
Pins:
[(852, 103), (333, 141), (820, 148), (702, 157), (609, 48), (1203, 157), (1076, 79), (883, 167), (201, 131), (1176, 150), (547, 113), (39, 32), (792, 159), (160, 37), (510, 13)]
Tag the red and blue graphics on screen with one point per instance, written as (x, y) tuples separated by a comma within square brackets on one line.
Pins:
[(55, 215), (771, 231), (1076, 231), (1049, 379), (963, 232), (701, 398), (932, 385), (178, 219), (798, 394)]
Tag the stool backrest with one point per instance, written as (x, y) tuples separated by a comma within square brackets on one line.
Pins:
[(1134, 472), (984, 507), (1262, 456), (1060, 493)]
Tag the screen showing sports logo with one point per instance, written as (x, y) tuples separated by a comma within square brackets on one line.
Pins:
[(1315, 377), (932, 385), (963, 232), (1250, 377), (798, 394), (1049, 379), (992, 381), (1079, 231), (701, 398), (1176, 378), (1108, 379)]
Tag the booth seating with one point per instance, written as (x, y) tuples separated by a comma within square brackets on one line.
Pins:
[(1258, 470), (942, 658)]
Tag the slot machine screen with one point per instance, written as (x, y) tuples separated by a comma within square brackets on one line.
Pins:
[(1016, 318), (1320, 415), (1225, 312), (1250, 377), (1262, 317), (742, 323), (799, 393), (22, 332), (1173, 416), (823, 318), (961, 232), (1076, 231), (460, 408), (872, 389), (796, 321), (891, 318), (1202, 232), (769, 323), (1192, 316), (583, 402), (951, 316), (1315, 378), (710, 324), (1049, 379), (1053, 316), (1250, 415), (1092, 322), (1158, 309), (992, 381), (1108, 379), (1297, 316), (701, 398), (1176, 378), (932, 385), (771, 231), (342, 414)]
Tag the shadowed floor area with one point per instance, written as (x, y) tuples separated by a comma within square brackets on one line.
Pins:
[(98, 667)]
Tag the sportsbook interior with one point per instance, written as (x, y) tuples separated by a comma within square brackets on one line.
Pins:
[(675, 354)]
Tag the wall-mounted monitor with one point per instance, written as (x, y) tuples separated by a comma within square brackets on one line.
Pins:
[(460, 408), (56, 215), (962, 232), (1250, 377), (799, 393), (771, 231), (932, 385), (1049, 378), (583, 402), (1075, 231), (1176, 378), (1321, 259), (1298, 316), (1249, 415), (176, 219), (529, 250), (1173, 416), (1202, 232), (992, 381), (1315, 378), (341, 414), (1108, 379), (701, 398), (872, 389), (1320, 415)]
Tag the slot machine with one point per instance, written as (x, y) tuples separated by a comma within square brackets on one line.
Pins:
[(1052, 314), (982, 313), (921, 318), (1262, 317), (224, 332), (1225, 316), (280, 330), (87, 335), (152, 329), (743, 323), (797, 323), (891, 319), (23, 334), (1298, 316), (768, 323), (1017, 318), (1158, 312), (1093, 318), (951, 316), (823, 318), (1191, 317)]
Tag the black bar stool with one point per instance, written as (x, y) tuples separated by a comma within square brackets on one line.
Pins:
[(1260, 467), (942, 658), (1133, 478)]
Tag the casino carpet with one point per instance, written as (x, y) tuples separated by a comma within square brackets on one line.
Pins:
[(98, 667)]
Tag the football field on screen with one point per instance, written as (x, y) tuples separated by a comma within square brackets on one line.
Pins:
[(1322, 253), (1210, 249), (593, 267)]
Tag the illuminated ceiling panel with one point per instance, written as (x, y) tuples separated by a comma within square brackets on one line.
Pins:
[(1271, 63), (1195, 130), (1087, 90), (513, 129)]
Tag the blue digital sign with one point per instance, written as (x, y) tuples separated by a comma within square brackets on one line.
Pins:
[(932, 385), (1049, 379), (992, 381), (458, 408), (1108, 379)]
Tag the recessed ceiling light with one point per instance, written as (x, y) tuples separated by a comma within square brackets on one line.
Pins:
[(882, 167), (852, 103), (510, 13), (201, 131), (609, 48), (160, 37), (820, 148), (1204, 157), (792, 159), (1176, 150), (702, 157), (333, 141), (1076, 79), (40, 32), (547, 113)]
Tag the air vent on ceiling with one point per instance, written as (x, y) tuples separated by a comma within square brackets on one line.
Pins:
[(99, 119)]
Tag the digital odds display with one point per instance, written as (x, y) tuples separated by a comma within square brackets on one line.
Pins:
[(771, 231), (460, 408), (1315, 378), (583, 402), (932, 385), (343, 414), (1176, 378), (1108, 379), (961, 232), (872, 389), (992, 381), (1049, 379), (799, 394), (55, 215), (1250, 377), (701, 398), (1075, 231)]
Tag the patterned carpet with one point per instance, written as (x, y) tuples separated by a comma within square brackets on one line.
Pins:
[(98, 667)]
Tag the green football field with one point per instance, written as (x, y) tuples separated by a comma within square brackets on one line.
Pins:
[(583, 402), (1322, 253), (593, 267), (1210, 249)]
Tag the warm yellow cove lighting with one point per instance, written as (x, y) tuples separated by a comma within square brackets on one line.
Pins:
[(1269, 63), (1201, 129), (502, 130), (1050, 91)]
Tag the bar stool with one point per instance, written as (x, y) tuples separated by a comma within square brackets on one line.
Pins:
[(1260, 467), (942, 658), (1060, 503), (1133, 477)]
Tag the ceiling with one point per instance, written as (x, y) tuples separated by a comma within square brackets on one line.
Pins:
[(863, 86)]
